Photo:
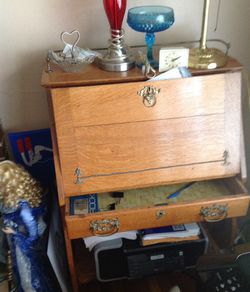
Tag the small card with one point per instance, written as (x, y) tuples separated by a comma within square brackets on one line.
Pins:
[(170, 58), (175, 73)]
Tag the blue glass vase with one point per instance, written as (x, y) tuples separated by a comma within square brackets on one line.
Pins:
[(150, 19)]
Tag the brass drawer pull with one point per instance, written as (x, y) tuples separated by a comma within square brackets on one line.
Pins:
[(149, 95), (104, 227), (214, 213)]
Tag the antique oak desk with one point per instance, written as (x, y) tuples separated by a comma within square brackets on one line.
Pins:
[(118, 131)]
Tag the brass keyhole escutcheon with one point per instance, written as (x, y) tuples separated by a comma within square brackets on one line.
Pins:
[(149, 95), (160, 214)]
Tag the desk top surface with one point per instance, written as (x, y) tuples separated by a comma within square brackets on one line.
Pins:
[(92, 75)]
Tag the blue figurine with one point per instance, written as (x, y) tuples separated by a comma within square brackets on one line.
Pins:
[(24, 215)]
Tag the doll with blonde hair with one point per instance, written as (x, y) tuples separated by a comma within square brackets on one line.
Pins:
[(23, 209)]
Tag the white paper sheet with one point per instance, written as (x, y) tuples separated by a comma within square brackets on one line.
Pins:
[(92, 241)]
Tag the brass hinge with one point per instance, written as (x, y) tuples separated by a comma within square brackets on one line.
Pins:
[(79, 179), (226, 158)]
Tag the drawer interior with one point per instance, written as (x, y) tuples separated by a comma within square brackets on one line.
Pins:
[(157, 196)]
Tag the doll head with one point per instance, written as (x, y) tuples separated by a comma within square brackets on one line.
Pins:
[(17, 185)]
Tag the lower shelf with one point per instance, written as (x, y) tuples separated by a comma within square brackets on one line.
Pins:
[(85, 264)]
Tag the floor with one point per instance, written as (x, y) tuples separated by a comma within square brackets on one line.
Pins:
[(4, 286), (159, 283)]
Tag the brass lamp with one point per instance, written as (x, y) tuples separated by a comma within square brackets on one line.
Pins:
[(203, 57)]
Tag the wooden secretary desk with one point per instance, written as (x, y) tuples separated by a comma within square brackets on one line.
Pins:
[(117, 131)]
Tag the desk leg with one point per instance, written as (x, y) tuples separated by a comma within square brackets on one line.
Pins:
[(234, 230), (71, 263)]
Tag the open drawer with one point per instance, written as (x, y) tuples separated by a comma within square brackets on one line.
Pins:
[(209, 201)]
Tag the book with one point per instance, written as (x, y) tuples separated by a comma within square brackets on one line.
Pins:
[(168, 240), (172, 231)]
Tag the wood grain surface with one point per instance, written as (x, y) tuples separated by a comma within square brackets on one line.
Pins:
[(126, 145), (121, 103), (93, 75), (175, 213)]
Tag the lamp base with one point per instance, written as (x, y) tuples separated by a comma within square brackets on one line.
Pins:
[(118, 56), (206, 58), (116, 65)]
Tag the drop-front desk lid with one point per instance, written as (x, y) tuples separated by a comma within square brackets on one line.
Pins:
[(108, 139)]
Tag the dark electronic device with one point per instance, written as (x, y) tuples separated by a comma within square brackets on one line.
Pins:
[(127, 259), (117, 194), (226, 276), (226, 280)]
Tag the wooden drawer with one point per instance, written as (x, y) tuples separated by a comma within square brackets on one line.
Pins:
[(109, 140), (204, 201)]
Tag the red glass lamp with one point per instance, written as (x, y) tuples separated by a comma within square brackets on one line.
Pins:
[(118, 57)]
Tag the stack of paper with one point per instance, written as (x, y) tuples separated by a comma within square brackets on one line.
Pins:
[(171, 233), (92, 241)]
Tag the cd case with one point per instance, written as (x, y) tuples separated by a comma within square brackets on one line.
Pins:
[(85, 204)]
